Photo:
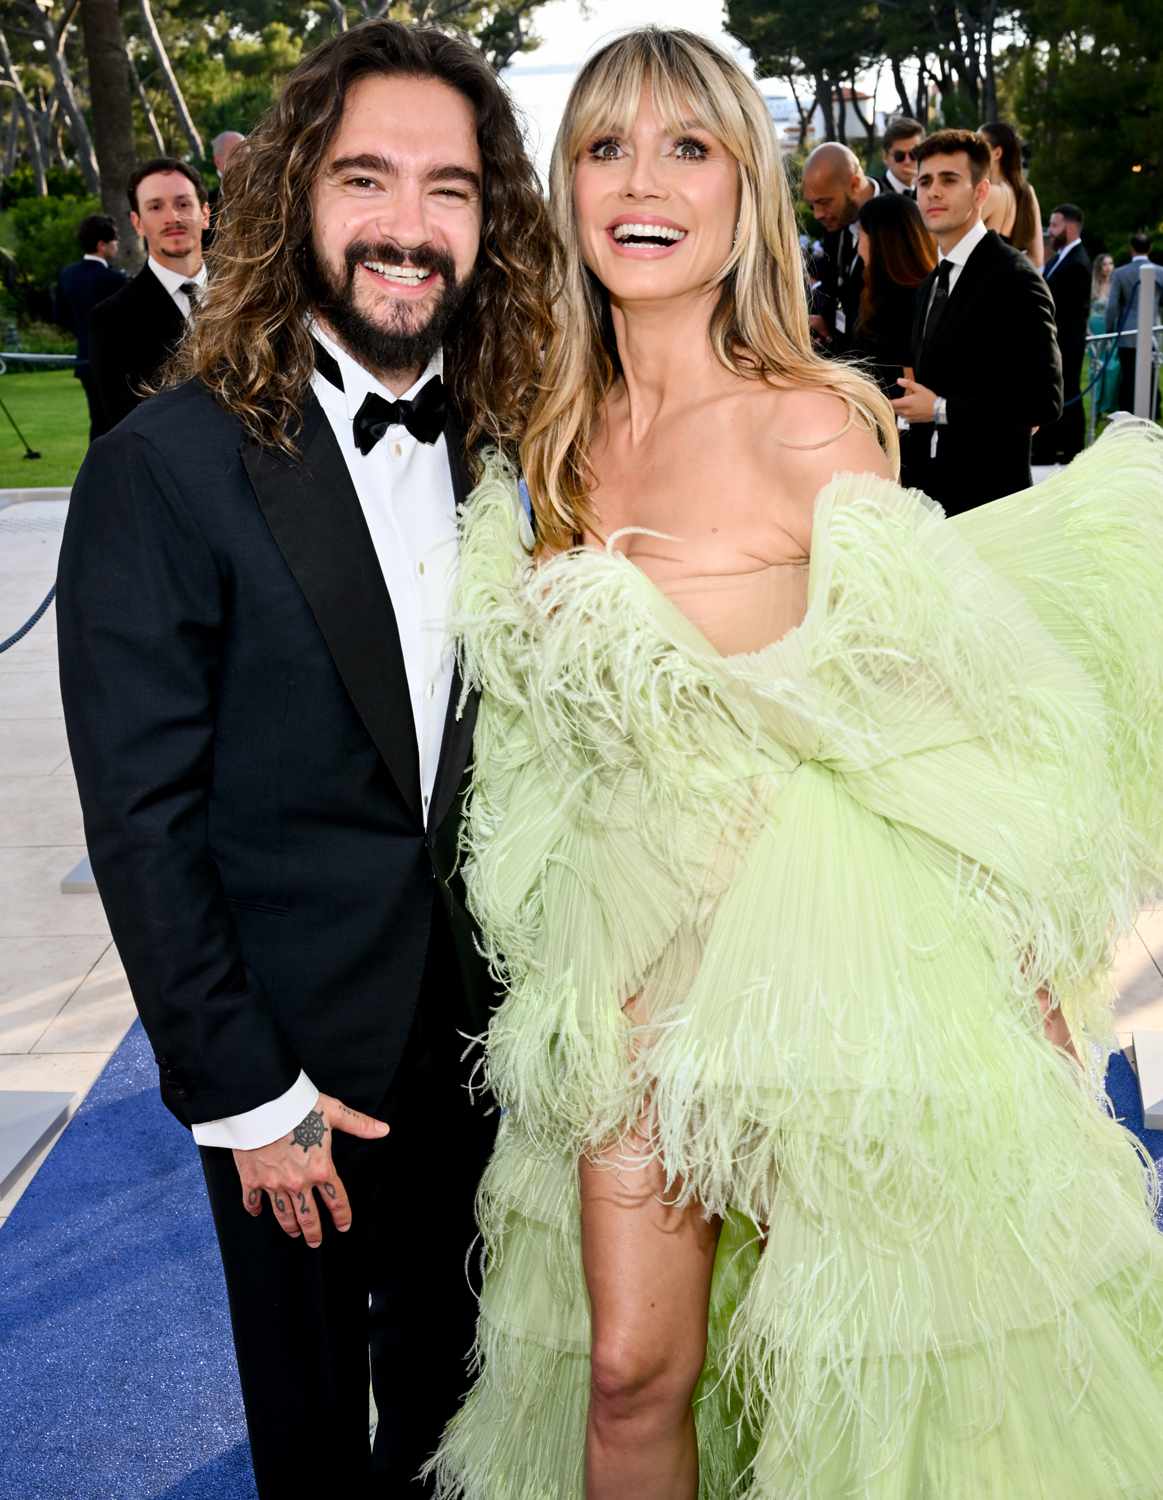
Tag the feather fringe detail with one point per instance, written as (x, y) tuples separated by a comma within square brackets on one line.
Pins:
[(787, 913)]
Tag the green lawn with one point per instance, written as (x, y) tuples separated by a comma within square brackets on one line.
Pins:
[(49, 408)]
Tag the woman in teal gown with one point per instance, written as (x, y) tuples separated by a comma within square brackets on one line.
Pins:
[(803, 821)]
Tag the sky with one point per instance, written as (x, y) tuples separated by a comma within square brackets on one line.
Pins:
[(540, 80)]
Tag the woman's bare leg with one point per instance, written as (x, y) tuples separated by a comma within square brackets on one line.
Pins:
[(648, 1272)]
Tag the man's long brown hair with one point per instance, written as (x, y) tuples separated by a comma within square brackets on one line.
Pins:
[(249, 343)]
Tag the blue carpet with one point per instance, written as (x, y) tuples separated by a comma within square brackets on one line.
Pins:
[(117, 1379)]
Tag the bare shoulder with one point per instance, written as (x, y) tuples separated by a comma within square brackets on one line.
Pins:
[(804, 438)]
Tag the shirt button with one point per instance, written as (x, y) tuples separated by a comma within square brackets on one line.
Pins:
[(420, 569), (396, 450), (432, 690)]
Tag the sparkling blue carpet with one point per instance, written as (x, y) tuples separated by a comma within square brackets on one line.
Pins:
[(117, 1379), (116, 1370)]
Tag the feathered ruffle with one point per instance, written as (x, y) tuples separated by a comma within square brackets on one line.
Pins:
[(831, 876)]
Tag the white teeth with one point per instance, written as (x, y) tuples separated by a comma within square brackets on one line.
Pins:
[(647, 231), (410, 274)]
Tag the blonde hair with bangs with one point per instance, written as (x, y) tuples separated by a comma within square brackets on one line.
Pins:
[(759, 327)]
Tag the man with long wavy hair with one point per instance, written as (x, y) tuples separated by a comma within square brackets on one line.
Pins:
[(269, 734)]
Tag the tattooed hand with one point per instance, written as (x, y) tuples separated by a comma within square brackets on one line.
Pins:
[(290, 1171)]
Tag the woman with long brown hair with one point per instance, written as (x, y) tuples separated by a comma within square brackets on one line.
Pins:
[(898, 254), (793, 804), (1012, 206)]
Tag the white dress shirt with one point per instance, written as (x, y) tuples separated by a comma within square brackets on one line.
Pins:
[(897, 185), (957, 258), (173, 281), (405, 491)]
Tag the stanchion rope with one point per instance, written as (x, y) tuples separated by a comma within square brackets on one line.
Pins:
[(29, 623)]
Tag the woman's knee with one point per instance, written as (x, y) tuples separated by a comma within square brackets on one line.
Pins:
[(632, 1382)]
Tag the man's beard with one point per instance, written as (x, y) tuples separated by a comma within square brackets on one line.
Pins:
[(395, 345)]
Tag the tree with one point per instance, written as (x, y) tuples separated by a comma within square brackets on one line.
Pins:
[(112, 109), (11, 82)]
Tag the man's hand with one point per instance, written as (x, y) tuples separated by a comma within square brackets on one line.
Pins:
[(820, 330), (917, 402), (290, 1170)]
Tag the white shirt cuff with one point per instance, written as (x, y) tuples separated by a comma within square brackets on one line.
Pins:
[(263, 1124)]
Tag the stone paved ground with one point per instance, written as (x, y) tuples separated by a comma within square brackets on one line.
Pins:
[(64, 1003)]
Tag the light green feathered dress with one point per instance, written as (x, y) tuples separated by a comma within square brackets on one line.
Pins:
[(835, 870)]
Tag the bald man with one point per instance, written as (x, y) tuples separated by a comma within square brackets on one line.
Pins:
[(224, 145), (835, 188)]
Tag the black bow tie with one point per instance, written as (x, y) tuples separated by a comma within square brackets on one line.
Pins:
[(423, 417)]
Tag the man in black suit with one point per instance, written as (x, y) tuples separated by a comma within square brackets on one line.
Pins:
[(271, 740), (902, 136), (80, 286), (134, 333), (1068, 275), (1122, 314), (835, 189), (986, 363)]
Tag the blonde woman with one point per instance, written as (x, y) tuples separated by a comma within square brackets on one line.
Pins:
[(796, 806)]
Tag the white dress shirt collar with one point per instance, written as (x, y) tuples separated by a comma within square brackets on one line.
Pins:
[(100, 259), (966, 245), (897, 184), (173, 281), (358, 382)]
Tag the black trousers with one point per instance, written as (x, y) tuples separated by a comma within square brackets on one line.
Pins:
[(1066, 438), (96, 417), (393, 1288), (1127, 383)]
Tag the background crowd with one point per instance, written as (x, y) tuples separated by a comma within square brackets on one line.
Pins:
[(1008, 361)]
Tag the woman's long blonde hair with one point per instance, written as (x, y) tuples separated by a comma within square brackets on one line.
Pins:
[(759, 327)]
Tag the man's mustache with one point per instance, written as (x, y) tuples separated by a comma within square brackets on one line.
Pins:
[(387, 252)]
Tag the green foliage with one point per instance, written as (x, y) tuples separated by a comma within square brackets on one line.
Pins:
[(21, 183), (46, 236), (1092, 106)]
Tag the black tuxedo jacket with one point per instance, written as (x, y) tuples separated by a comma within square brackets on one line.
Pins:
[(130, 337), (80, 287), (839, 288), (1069, 284), (994, 357), (239, 720)]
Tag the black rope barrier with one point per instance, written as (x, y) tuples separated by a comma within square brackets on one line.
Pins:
[(29, 623)]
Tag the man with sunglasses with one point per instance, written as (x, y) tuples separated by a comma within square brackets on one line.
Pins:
[(902, 136)]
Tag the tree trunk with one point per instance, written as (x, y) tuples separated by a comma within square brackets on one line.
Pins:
[(339, 11), (902, 92), (54, 46), (841, 112), (11, 81), (868, 124), (143, 99), (824, 101), (804, 115), (112, 115), (185, 120), (12, 137)]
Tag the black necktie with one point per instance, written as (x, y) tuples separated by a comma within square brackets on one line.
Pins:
[(192, 291), (423, 417), (940, 297)]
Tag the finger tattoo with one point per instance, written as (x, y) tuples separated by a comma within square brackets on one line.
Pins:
[(252, 1197), (309, 1131), (304, 1208), (280, 1203), (329, 1189)]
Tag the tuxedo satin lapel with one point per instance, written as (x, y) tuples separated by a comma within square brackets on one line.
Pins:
[(158, 306), (315, 517), (457, 742)]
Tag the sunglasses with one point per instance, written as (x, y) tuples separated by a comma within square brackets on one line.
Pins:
[(899, 156)]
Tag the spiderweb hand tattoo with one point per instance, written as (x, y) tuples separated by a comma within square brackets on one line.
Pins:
[(309, 1131)]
